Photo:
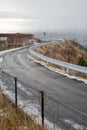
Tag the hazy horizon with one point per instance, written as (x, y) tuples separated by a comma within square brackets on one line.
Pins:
[(42, 15)]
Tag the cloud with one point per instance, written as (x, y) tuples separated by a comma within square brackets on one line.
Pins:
[(50, 13)]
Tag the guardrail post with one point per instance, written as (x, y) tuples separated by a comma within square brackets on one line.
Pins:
[(42, 107), (67, 70), (15, 92), (47, 62)]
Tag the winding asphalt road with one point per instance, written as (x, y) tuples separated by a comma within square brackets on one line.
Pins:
[(69, 91)]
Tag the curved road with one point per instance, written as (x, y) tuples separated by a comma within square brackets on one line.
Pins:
[(61, 88)]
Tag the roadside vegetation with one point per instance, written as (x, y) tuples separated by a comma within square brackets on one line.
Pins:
[(82, 62), (11, 119), (38, 40), (69, 51)]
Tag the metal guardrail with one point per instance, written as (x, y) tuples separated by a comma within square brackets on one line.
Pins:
[(57, 62)]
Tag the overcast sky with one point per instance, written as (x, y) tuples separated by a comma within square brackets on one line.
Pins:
[(19, 15)]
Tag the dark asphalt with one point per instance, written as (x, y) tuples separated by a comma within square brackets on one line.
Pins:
[(69, 91)]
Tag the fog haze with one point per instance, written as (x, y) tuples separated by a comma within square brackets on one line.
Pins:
[(42, 15)]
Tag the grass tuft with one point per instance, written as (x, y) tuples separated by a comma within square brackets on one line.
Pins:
[(12, 119)]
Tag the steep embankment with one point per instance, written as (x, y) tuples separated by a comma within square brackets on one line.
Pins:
[(11, 119), (68, 51)]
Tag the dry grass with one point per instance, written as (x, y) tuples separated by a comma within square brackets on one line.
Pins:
[(68, 52), (10, 119)]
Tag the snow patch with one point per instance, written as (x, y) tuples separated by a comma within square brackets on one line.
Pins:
[(14, 49), (19, 85), (75, 125), (59, 71)]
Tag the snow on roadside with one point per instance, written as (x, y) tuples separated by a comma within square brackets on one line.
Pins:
[(59, 71), (11, 50), (69, 76), (20, 86), (3, 52), (75, 125), (33, 109)]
